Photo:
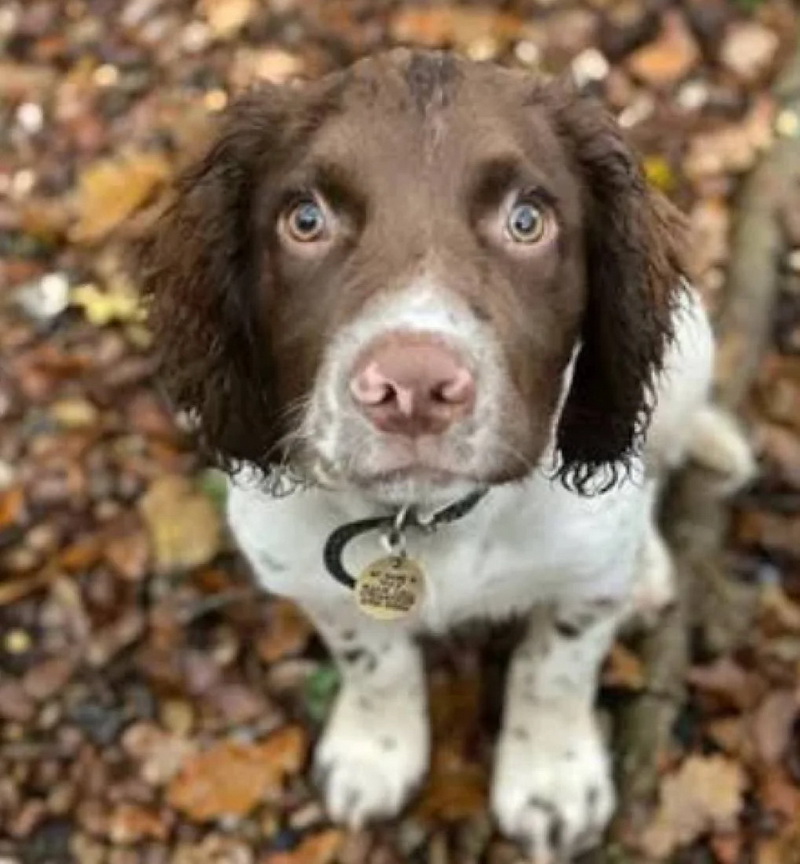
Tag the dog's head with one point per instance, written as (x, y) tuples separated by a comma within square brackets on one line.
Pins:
[(416, 275)]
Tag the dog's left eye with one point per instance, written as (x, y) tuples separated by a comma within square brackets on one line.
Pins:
[(526, 222)]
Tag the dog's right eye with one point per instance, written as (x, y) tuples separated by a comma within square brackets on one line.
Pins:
[(305, 221)]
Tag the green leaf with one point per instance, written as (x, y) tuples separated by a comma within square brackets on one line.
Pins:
[(320, 691)]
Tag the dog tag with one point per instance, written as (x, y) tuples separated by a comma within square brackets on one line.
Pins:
[(390, 587)]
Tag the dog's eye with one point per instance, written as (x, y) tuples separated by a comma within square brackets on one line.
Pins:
[(526, 222), (306, 221)]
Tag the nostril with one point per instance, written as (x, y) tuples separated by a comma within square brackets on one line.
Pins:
[(457, 390), (371, 388)]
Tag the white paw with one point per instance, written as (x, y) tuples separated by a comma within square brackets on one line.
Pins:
[(552, 791), (372, 756)]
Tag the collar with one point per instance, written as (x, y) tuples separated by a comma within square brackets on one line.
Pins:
[(393, 526)]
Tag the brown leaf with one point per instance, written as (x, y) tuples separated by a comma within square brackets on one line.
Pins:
[(131, 823), (624, 669), (771, 725), (128, 554), (778, 793), (183, 523), (670, 57), (227, 17), (109, 191), (728, 682), (287, 634), (748, 50), (455, 25), (704, 794), (319, 848), (455, 790), (12, 507), (233, 777)]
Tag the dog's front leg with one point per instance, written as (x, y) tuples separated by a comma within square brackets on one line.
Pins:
[(552, 788), (374, 751)]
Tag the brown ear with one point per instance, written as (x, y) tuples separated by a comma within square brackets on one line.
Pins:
[(199, 268), (632, 246)]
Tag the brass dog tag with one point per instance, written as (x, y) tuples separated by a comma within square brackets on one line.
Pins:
[(390, 587)]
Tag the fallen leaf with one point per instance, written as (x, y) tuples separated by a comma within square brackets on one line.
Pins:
[(728, 682), (704, 794), (159, 754), (659, 173), (734, 147), (118, 303), (109, 191), (129, 554), (456, 25), (772, 723), (748, 50), (183, 524), (12, 507), (455, 790), (227, 17), (669, 58), (132, 823), (287, 633), (319, 848), (232, 777), (74, 413), (624, 669)]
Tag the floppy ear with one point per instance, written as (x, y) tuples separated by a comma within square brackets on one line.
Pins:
[(633, 242), (199, 267)]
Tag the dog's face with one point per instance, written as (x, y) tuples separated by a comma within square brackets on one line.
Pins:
[(382, 277)]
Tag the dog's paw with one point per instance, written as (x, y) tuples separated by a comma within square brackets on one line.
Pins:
[(553, 793), (372, 756)]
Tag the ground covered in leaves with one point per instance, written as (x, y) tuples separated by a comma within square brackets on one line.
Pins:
[(153, 708)]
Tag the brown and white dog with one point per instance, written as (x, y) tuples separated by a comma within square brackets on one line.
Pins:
[(405, 284)]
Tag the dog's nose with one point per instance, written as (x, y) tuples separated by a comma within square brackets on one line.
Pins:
[(413, 387)]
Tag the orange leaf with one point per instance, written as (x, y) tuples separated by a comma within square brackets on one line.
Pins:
[(287, 634), (233, 777), (318, 848)]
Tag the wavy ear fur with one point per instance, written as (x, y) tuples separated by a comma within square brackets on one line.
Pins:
[(198, 267), (633, 240)]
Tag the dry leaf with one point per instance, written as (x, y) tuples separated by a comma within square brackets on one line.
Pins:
[(287, 633), (624, 669), (183, 524), (227, 17), (455, 789), (131, 823), (320, 848), (129, 554), (670, 57), (111, 190), (233, 777), (728, 682), (748, 49), (119, 303), (771, 725), (734, 147), (704, 794), (456, 25)]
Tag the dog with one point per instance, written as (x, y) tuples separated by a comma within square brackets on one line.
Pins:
[(438, 299)]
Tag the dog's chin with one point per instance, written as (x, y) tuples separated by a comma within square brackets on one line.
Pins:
[(425, 487)]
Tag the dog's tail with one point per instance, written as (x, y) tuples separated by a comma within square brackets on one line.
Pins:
[(717, 442)]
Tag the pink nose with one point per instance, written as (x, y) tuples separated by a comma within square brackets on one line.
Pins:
[(412, 386)]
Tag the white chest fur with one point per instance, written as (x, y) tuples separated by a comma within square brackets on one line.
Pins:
[(522, 544)]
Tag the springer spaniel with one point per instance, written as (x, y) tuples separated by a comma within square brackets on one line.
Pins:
[(440, 297)]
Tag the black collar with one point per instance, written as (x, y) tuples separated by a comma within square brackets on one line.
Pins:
[(394, 524)]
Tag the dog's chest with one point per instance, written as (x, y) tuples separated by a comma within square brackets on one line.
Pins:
[(520, 546)]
